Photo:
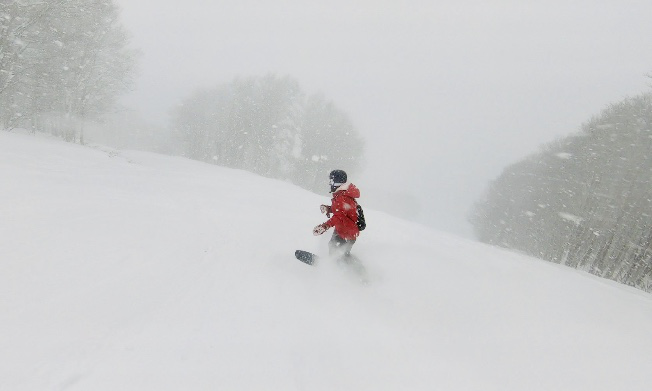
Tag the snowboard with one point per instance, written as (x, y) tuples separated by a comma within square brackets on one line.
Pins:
[(306, 257), (350, 262)]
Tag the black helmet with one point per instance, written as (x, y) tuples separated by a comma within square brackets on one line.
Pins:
[(337, 179)]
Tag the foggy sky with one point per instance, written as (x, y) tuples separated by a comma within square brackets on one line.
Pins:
[(446, 93)]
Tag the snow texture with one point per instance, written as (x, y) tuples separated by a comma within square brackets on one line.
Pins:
[(125, 270)]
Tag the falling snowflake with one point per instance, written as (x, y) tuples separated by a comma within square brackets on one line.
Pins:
[(564, 155)]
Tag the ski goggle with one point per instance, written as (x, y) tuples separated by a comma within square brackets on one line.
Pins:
[(333, 183)]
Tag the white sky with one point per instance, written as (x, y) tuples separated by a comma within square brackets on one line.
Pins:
[(446, 93)]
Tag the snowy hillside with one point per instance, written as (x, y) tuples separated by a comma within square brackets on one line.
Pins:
[(134, 271)]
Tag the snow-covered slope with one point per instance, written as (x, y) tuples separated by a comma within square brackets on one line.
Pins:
[(133, 271)]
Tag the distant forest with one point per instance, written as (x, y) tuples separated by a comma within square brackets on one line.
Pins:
[(269, 126), (584, 201), (65, 63)]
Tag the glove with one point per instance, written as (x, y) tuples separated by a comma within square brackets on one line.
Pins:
[(325, 209), (320, 229)]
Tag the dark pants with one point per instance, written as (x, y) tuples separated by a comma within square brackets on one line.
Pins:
[(339, 247)]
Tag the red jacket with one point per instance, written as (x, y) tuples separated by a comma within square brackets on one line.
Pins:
[(345, 213)]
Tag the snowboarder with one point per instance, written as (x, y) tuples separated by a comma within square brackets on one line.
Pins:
[(345, 216)]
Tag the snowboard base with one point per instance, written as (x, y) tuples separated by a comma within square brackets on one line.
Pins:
[(306, 257)]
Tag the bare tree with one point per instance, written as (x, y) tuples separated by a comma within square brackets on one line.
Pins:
[(267, 125), (63, 62), (583, 201)]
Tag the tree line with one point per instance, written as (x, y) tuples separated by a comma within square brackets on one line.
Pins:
[(269, 126), (584, 201), (62, 62)]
